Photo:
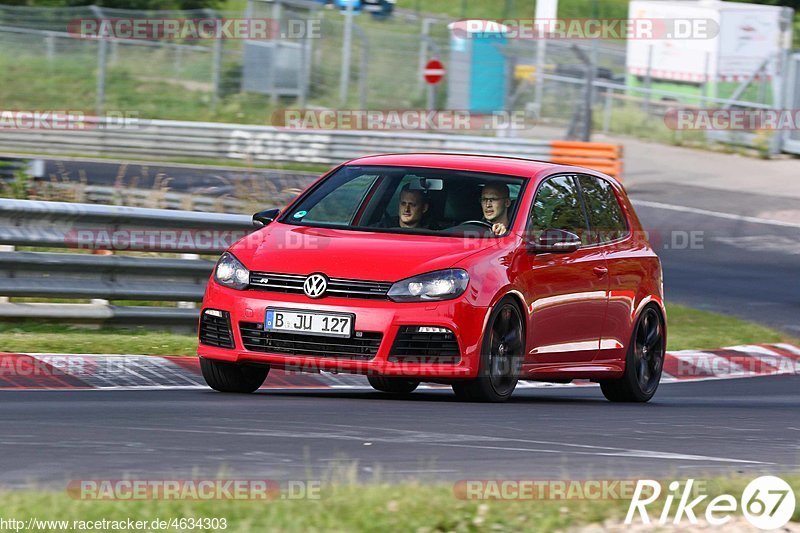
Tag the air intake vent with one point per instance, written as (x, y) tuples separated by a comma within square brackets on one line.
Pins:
[(215, 328), (363, 346), (425, 344)]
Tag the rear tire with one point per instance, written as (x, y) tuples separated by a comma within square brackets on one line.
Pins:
[(644, 361), (233, 377), (501, 357), (392, 385)]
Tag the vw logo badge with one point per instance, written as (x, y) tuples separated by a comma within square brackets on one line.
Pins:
[(315, 286)]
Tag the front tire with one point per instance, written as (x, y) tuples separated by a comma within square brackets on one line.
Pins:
[(233, 377), (392, 385), (644, 361), (501, 357)]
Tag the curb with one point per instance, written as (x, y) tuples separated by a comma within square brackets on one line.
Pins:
[(84, 371)]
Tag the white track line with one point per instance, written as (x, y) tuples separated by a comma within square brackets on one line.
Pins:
[(717, 214)]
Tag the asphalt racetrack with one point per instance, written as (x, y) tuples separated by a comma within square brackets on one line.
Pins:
[(706, 427)]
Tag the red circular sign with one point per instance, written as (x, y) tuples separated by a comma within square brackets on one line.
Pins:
[(433, 71)]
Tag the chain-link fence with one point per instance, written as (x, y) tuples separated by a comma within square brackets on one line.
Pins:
[(49, 63)]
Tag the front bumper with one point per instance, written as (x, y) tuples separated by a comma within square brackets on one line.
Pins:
[(384, 316)]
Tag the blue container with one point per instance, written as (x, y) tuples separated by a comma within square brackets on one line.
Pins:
[(477, 74)]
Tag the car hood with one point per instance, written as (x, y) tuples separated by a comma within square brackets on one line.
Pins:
[(351, 254)]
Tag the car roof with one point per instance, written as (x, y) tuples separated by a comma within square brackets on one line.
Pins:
[(493, 164)]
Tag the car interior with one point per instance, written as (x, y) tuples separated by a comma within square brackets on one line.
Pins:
[(455, 202)]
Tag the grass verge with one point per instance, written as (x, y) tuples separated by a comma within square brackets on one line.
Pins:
[(688, 329), (28, 337), (694, 329), (371, 507)]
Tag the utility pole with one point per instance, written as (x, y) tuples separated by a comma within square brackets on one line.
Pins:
[(344, 78)]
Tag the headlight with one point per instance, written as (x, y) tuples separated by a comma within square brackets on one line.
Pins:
[(231, 273), (433, 286)]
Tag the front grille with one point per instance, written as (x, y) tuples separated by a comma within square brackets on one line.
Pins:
[(340, 287), (215, 330), (363, 346), (411, 345)]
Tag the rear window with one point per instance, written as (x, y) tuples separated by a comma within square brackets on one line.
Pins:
[(557, 205), (605, 215)]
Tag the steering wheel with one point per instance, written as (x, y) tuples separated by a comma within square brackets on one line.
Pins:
[(479, 222)]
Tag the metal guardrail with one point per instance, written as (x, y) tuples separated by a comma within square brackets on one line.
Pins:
[(176, 139), (97, 227), (166, 138), (110, 277), (56, 275)]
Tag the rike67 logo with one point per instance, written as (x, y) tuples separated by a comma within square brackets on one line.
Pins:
[(767, 502)]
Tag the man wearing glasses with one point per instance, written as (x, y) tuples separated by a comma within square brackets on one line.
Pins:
[(495, 200)]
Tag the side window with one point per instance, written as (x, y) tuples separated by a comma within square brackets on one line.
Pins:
[(605, 215), (558, 206)]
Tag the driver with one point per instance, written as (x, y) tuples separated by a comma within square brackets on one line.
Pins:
[(410, 210), (495, 200)]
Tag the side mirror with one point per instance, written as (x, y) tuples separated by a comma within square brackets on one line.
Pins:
[(555, 241), (262, 218)]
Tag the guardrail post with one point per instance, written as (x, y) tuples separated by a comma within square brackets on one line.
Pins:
[(5, 248), (187, 305), (100, 301)]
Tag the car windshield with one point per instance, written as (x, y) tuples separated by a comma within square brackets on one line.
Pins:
[(452, 203)]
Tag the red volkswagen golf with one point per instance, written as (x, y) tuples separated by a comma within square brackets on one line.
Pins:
[(472, 271)]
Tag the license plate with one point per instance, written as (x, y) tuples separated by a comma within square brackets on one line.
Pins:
[(316, 323)]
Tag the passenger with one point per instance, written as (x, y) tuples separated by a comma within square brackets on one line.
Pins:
[(495, 201)]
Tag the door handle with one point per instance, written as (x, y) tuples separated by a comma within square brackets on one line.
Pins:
[(600, 271)]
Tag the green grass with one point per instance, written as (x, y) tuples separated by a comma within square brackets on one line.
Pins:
[(687, 329), (69, 84), (55, 338), (410, 506)]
